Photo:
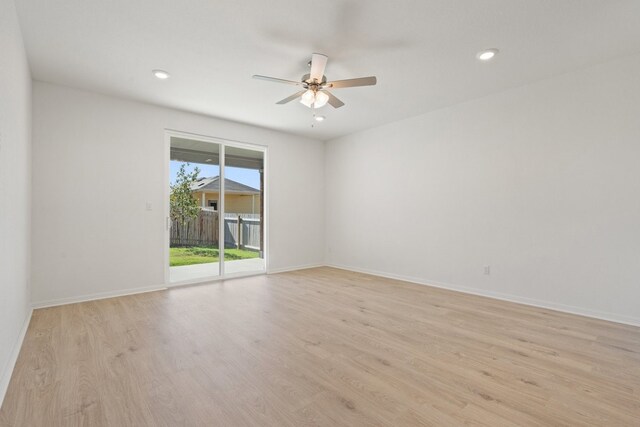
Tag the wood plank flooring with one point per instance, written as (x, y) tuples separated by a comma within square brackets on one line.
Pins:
[(321, 347)]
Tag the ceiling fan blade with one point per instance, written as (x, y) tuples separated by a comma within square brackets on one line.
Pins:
[(333, 101), (275, 80), (361, 81), (318, 64), (291, 98)]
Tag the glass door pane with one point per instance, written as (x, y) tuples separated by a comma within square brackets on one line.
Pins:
[(193, 210), (244, 210)]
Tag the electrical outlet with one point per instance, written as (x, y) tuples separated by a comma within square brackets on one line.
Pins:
[(149, 207), (487, 270)]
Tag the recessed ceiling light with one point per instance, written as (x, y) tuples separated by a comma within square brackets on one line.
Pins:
[(161, 74), (487, 54), (319, 118)]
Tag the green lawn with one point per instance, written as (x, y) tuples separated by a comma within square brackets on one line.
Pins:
[(202, 255)]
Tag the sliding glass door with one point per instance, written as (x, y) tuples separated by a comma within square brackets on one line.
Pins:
[(215, 209), (244, 207)]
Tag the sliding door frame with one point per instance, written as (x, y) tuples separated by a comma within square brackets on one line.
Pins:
[(222, 142)]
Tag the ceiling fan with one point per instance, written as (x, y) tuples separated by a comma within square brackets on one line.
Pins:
[(315, 85)]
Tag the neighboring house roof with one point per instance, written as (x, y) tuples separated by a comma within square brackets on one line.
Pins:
[(230, 186)]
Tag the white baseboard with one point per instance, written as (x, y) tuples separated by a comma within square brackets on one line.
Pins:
[(294, 268), (611, 317), (11, 363), (96, 296), (596, 314), (113, 294)]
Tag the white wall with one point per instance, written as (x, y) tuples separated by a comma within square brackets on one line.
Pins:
[(541, 182), (15, 190), (97, 160)]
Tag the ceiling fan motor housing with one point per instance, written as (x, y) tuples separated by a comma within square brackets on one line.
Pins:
[(307, 79)]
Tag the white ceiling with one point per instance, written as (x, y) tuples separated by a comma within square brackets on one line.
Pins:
[(422, 51)]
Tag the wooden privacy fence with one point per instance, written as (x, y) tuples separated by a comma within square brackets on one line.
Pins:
[(240, 230), (203, 230)]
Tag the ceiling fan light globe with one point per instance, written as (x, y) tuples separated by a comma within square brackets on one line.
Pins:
[(321, 99), (308, 98)]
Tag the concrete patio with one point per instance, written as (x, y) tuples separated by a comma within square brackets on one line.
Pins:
[(186, 273)]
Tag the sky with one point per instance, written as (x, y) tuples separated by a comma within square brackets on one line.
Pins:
[(250, 177)]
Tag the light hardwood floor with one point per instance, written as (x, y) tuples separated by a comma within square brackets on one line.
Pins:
[(321, 347)]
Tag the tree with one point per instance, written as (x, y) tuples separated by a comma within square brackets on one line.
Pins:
[(183, 206)]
